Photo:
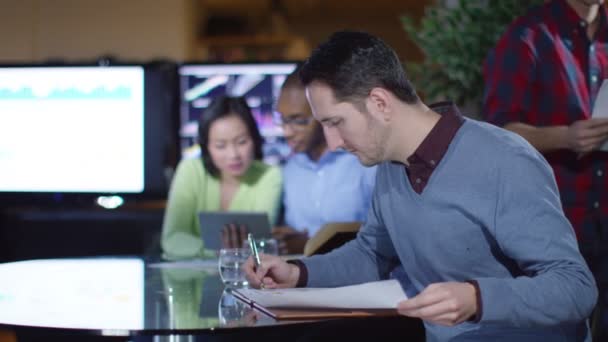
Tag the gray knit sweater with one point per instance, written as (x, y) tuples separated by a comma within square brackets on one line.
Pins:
[(490, 213)]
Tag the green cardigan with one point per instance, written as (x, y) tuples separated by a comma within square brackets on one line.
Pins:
[(194, 190)]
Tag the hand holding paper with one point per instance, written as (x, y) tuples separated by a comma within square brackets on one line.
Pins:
[(447, 303), (585, 136)]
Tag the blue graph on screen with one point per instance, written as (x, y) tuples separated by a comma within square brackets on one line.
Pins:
[(99, 93)]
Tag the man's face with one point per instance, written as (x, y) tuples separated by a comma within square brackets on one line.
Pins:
[(296, 118), (347, 126)]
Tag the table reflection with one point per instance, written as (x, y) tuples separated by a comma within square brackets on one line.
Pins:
[(73, 293), (118, 294), (188, 300), (234, 313), (141, 300), (198, 299)]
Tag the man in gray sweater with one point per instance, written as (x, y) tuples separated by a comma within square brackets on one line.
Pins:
[(470, 211)]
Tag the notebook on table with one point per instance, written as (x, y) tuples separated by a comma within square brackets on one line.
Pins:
[(331, 236), (378, 298), (211, 223)]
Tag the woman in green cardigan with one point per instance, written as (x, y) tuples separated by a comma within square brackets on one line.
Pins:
[(230, 176)]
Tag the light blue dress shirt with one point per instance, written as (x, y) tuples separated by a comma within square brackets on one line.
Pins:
[(336, 188)]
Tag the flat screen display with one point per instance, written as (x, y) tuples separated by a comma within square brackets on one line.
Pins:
[(80, 130), (72, 129), (259, 83)]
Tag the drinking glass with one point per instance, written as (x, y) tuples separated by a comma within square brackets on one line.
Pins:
[(230, 262), (266, 246), (231, 311)]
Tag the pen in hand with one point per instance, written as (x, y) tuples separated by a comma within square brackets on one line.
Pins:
[(256, 256)]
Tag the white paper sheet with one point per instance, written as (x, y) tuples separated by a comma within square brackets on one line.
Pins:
[(374, 295), (600, 109)]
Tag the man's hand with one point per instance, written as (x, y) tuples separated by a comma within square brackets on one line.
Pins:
[(273, 272), (447, 303), (233, 235), (584, 136), (290, 240)]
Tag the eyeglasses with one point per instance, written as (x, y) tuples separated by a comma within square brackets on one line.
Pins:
[(294, 121)]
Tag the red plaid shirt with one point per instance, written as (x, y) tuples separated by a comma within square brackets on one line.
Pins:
[(545, 71)]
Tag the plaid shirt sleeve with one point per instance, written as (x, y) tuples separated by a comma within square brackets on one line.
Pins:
[(508, 74)]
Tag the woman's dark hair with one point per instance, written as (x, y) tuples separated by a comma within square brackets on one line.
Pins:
[(352, 63), (221, 107)]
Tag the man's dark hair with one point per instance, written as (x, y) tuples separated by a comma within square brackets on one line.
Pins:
[(293, 81), (352, 63), (221, 107)]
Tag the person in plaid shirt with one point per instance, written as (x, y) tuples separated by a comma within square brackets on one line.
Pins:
[(542, 79)]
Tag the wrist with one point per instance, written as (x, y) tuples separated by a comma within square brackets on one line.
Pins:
[(563, 137), (294, 275), (477, 306), (300, 275), (473, 299)]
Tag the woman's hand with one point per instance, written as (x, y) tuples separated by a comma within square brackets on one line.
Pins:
[(233, 235)]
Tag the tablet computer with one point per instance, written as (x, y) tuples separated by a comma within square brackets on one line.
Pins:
[(211, 223)]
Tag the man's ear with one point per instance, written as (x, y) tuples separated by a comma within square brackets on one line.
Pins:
[(379, 104)]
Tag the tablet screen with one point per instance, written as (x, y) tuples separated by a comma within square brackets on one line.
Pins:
[(211, 223)]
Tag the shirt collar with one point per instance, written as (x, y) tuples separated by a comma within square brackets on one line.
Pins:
[(436, 143), (602, 32), (304, 160), (564, 15), (567, 18)]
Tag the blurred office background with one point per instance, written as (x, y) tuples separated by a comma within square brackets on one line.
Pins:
[(441, 42), (162, 33), (180, 30)]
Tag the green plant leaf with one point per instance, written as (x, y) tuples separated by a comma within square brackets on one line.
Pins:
[(455, 42)]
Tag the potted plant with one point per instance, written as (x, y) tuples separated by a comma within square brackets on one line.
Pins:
[(455, 40)]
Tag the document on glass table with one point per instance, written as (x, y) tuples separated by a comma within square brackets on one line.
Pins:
[(383, 294), (600, 108)]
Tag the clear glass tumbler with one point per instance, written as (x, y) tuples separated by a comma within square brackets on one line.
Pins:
[(230, 265), (266, 246)]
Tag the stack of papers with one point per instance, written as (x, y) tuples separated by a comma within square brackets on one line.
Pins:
[(374, 295)]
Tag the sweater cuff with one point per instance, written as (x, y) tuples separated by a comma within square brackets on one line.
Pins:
[(303, 278), (477, 316)]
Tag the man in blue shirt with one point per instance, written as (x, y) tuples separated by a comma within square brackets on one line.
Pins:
[(471, 211), (319, 186)]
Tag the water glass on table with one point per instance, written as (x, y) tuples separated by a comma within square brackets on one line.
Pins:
[(265, 246), (230, 265), (233, 312)]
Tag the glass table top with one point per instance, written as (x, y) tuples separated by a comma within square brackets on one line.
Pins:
[(120, 296)]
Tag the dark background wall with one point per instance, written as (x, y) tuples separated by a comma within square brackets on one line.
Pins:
[(34, 233)]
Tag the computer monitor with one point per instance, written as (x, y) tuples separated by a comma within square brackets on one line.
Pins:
[(259, 83), (82, 129)]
